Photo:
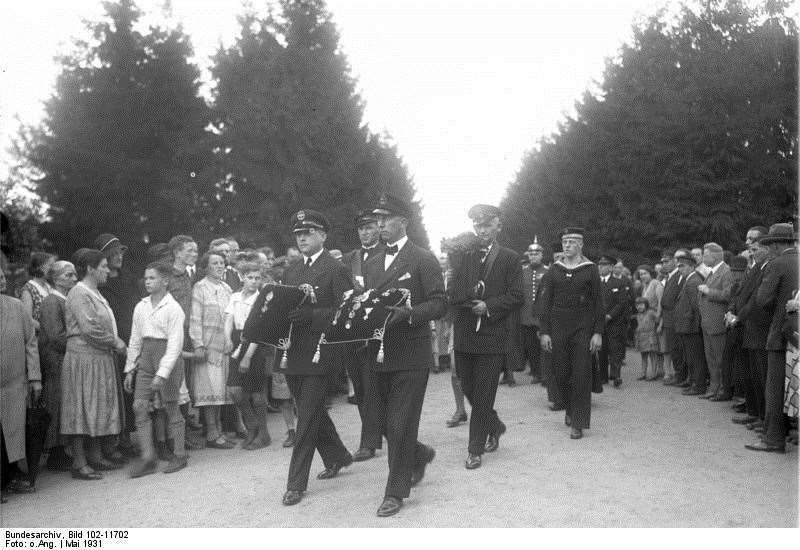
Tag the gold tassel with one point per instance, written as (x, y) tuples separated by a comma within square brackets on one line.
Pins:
[(285, 360), (379, 358), (317, 353)]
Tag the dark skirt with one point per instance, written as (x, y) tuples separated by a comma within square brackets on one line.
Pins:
[(255, 379)]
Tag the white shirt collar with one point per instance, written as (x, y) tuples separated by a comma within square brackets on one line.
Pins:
[(369, 247), (166, 300), (715, 268), (671, 273), (401, 242), (314, 257)]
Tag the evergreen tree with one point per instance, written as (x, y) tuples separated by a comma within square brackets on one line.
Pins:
[(289, 130), (123, 147), (692, 138)]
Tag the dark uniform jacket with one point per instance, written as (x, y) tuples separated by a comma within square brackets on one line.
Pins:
[(531, 283), (755, 320), (330, 279), (616, 300), (122, 294), (407, 343), (572, 298), (686, 315), (501, 274), (778, 287), (669, 298), (354, 262)]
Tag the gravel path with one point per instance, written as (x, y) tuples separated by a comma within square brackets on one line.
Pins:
[(653, 458)]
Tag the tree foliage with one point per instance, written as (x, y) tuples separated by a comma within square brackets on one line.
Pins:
[(123, 147), (691, 138), (289, 130)]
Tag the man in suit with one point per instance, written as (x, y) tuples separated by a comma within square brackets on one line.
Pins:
[(487, 287), (672, 286), (713, 304), (357, 358), (532, 274), (777, 287), (686, 320), (307, 379), (399, 381), (755, 322), (615, 298)]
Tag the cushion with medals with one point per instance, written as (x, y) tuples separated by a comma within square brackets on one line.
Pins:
[(268, 322), (362, 317)]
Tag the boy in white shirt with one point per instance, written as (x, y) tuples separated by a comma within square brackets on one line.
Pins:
[(247, 382), (153, 362)]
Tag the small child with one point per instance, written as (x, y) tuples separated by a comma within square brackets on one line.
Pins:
[(154, 361), (247, 382), (646, 338)]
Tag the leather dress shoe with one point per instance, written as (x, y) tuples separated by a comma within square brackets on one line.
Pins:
[(85, 473), (456, 420), (685, 384), (290, 498), (389, 507), (744, 419), (420, 465), (706, 396), (143, 468), (740, 407), (473, 462), (765, 447), (754, 425), (641, 378), (333, 471), (363, 454), (176, 464), (493, 441), (692, 391), (553, 407), (721, 397), (575, 433), (104, 465)]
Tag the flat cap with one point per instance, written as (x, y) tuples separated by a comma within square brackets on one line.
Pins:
[(483, 213), (779, 233), (685, 258), (303, 220)]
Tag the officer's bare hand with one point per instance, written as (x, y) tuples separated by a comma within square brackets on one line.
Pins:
[(546, 342), (479, 308), (399, 313), (596, 343)]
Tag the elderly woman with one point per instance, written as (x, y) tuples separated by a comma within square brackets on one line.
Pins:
[(19, 374), (33, 293), (90, 402), (210, 297), (52, 345)]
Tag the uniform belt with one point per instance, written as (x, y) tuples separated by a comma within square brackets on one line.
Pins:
[(148, 339)]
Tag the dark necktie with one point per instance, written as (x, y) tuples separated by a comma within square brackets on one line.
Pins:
[(365, 253), (391, 250), (484, 252), (308, 262)]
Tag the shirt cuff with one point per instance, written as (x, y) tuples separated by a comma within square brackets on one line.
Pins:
[(164, 372)]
